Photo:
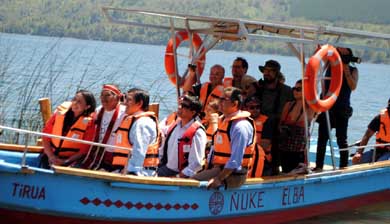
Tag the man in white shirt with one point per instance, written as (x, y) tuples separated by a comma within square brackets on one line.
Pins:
[(107, 118), (184, 148), (139, 132)]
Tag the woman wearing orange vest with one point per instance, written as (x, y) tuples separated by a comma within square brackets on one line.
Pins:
[(139, 132), (233, 144), (380, 126), (74, 120)]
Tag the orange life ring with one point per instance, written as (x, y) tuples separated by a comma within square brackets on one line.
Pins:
[(169, 60), (327, 53)]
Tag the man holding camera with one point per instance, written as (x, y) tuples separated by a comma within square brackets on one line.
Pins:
[(340, 112)]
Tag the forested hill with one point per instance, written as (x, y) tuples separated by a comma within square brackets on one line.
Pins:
[(84, 19)]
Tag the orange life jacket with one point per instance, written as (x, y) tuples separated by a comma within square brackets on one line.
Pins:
[(222, 145), (383, 135), (172, 117), (63, 148), (210, 132), (205, 99), (257, 165), (120, 156), (184, 145), (228, 82)]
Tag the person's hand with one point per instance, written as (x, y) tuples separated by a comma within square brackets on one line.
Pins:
[(52, 159), (59, 162), (346, 69), (214, 183), (191, 68), (182, 175), (357, 158)]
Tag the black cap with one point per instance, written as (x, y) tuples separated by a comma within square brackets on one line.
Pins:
[(270, 64), (388, 103)]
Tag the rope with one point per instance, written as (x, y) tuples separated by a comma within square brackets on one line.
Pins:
[(60, 137), (362, 147)]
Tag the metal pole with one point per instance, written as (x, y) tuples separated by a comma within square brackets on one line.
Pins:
[(302, 60), (25, 150), (173, 36), (330, 139)]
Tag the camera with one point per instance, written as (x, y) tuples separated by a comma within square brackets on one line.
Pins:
[(192, 66), (350, 58)]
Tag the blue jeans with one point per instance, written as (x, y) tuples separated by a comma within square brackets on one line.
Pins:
[(367, 156)]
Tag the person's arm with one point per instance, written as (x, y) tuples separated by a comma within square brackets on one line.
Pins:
[(266, 138), (196, 155), (190, 80), (241, 136), (358, 155), (351, 76), (371, 129), (141, 135), (218, 180), (366, 137), (48, 129), (284, 113)]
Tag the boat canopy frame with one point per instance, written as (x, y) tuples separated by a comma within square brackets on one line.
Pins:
[(221, 29)]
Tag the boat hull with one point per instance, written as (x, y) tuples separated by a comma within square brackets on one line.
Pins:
[(69, 195), (20, 217)]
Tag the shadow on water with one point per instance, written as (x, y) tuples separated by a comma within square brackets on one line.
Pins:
[(373, 214)]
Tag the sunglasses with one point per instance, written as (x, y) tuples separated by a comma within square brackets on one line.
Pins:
[(298, 89), (254, 107), (224, 98), (184, 105)]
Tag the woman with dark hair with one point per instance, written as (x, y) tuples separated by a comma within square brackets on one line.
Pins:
[(292, 138), (74, 120)]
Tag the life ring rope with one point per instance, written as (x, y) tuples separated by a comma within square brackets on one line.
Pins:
[(327, 55)]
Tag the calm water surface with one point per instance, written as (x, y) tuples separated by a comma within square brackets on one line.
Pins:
[(33, 67)]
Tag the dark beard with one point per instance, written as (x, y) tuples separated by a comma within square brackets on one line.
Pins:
[(269, 81)]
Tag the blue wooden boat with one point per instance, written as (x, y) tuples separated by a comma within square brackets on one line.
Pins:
[(70, 195)]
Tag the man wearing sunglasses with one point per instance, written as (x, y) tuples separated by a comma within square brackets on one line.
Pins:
[(138, 131), (183, 152), (233, 143), (261, 163)]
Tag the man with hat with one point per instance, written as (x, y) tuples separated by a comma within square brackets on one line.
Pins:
[(380, 126), (107, 119), (273, 95)]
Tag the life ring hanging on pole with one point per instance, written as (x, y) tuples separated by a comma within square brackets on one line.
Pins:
[(169, 59), (327, 54)]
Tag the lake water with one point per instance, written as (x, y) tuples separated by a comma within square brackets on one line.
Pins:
[(33, 67)]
